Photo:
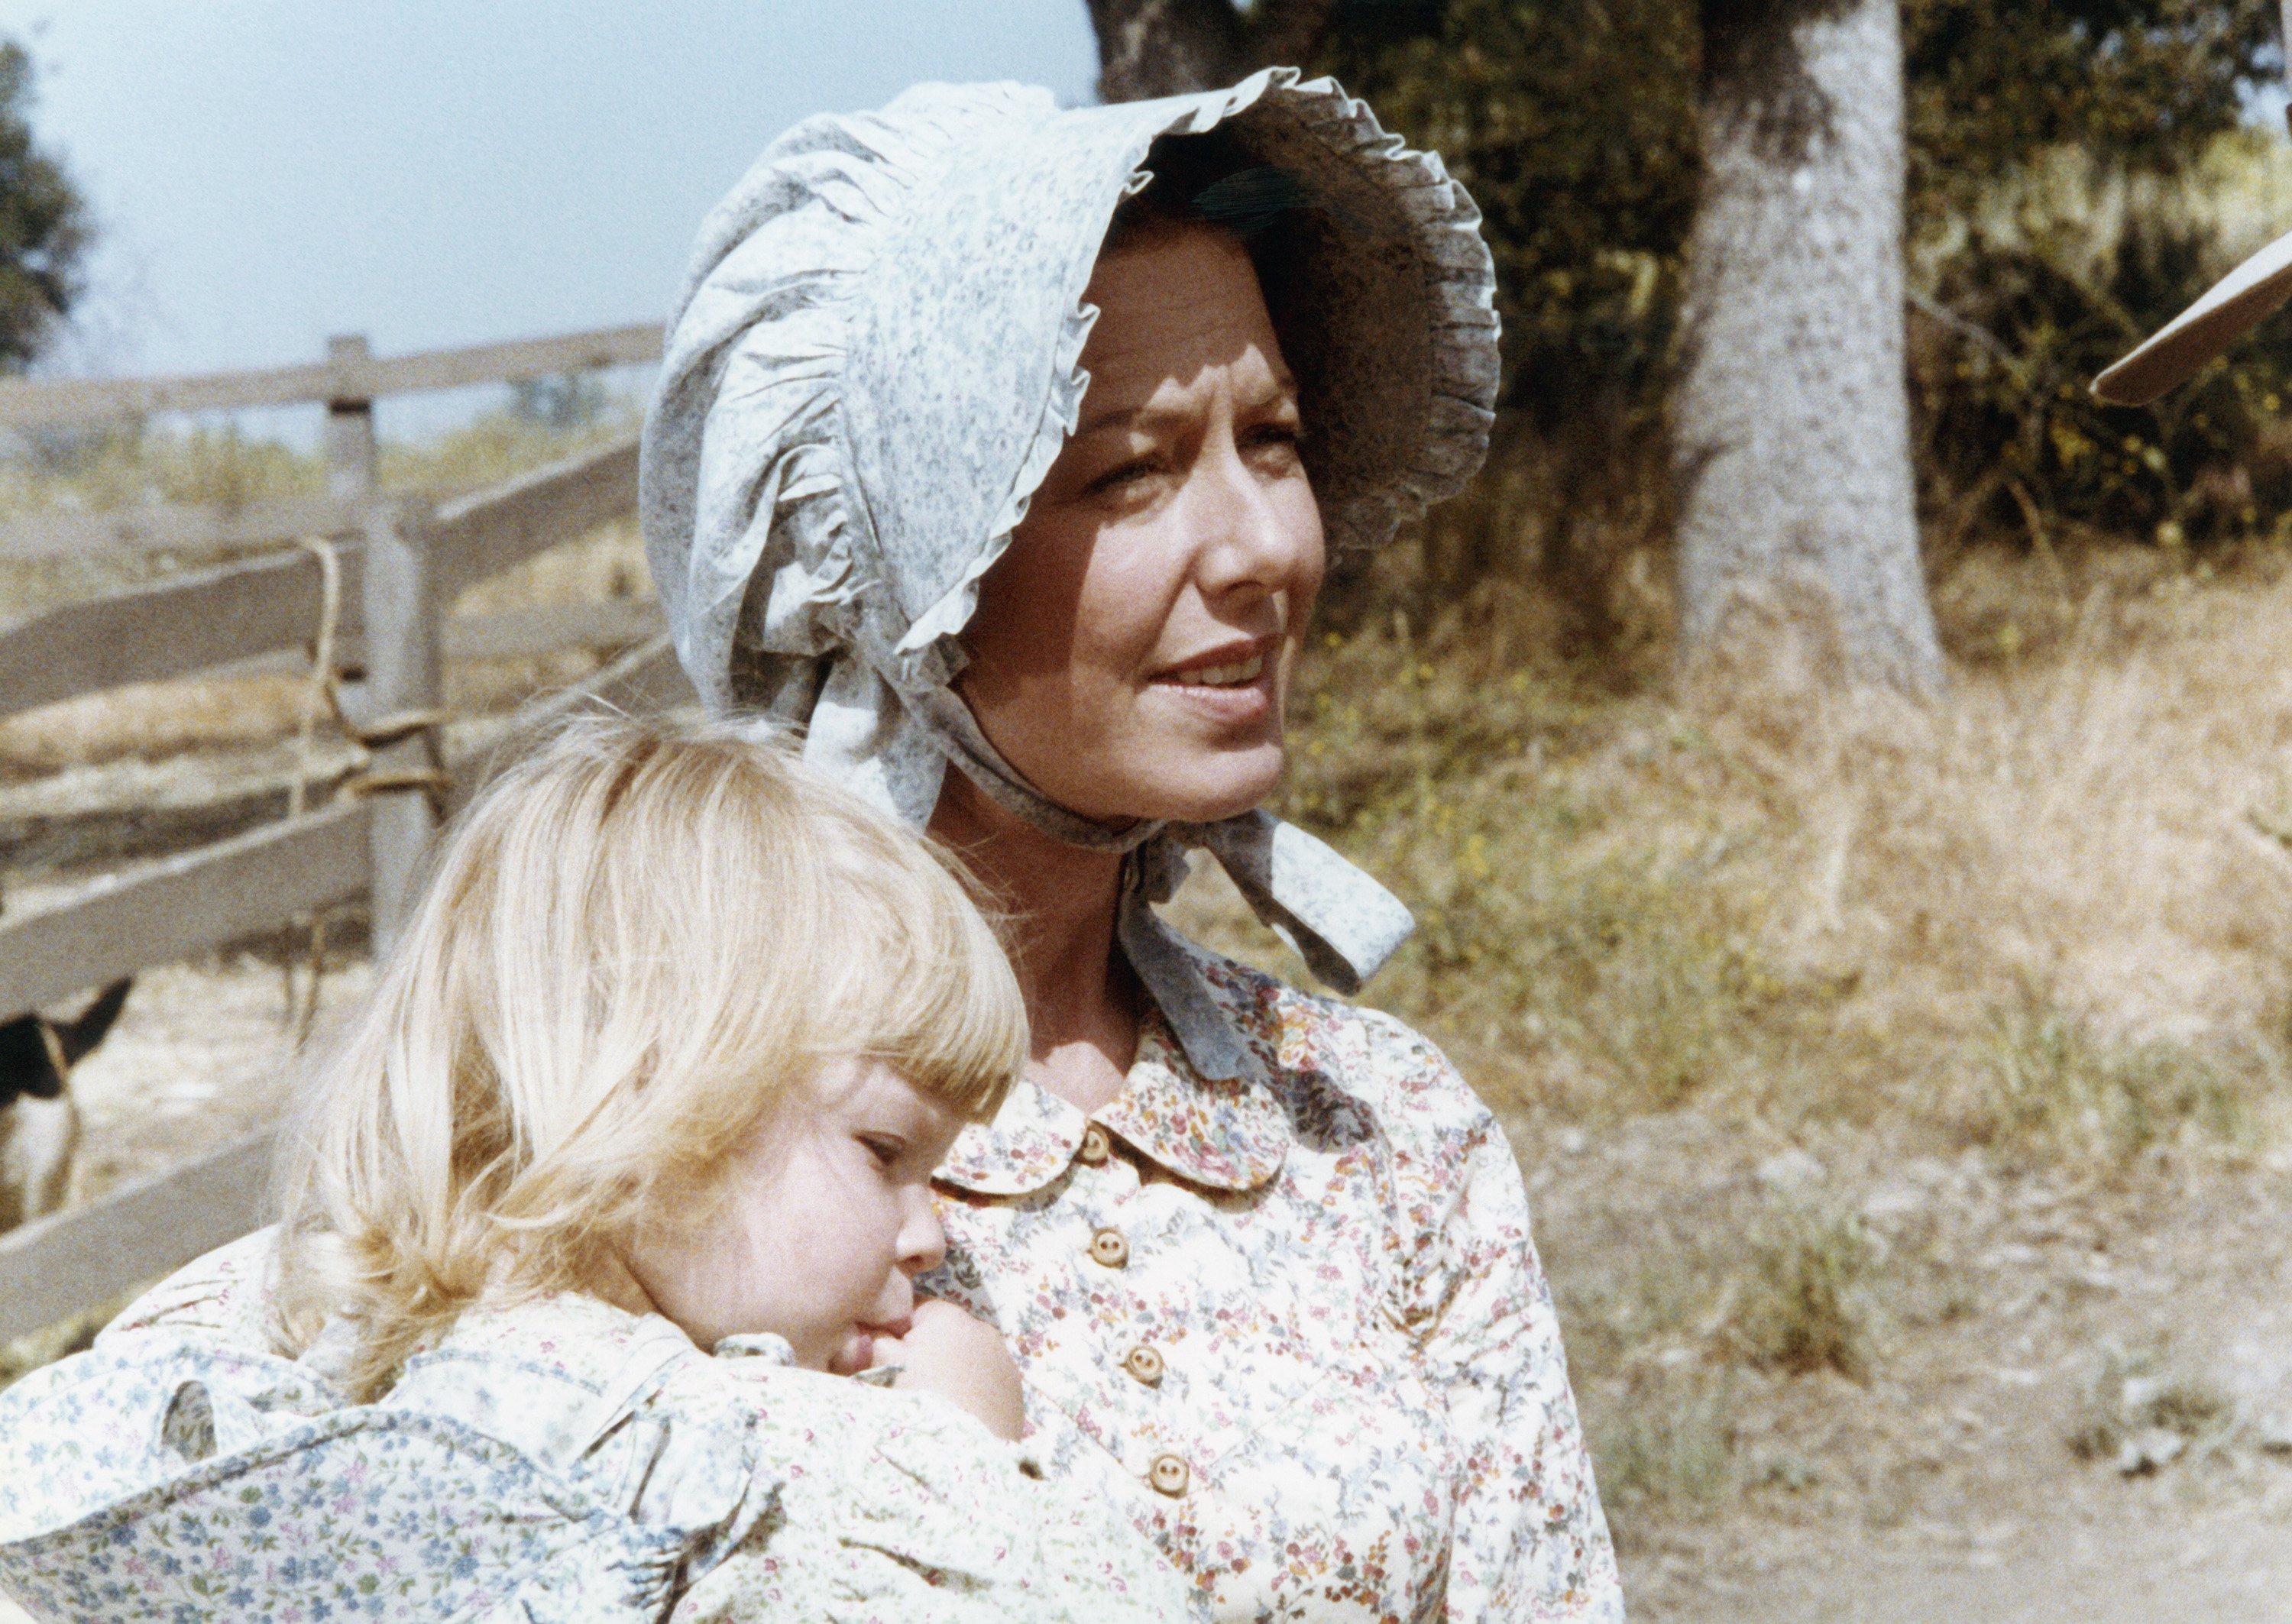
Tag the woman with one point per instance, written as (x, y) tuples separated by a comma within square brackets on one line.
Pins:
[(971, 452)]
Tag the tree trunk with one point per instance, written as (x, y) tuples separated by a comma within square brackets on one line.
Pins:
[(2287, 55), (1163, 47), (1791, 415)]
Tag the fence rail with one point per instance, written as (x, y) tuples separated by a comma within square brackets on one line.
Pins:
[(352, 376), (482, 535), (186, 904), (61, 1266), (237, 611), (148, 634), (403, 562), (158, 528)]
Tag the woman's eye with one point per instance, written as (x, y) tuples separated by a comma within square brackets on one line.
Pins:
[(1116, 480), (886, 1151), (1280, 437)]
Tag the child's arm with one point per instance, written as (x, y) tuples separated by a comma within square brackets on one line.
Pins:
[(961, 1359)]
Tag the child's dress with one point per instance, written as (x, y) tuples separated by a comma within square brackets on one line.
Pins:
[(556, 1461)]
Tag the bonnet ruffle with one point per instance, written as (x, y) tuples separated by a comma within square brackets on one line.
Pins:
[(875, 360)]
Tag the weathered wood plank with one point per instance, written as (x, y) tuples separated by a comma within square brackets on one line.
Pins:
[(184, 905), (61, 1266), (509, 634), (545, 628), (512, 634), (82, 400), (484, 534), (177, 529), (169, 628), (644, 682)]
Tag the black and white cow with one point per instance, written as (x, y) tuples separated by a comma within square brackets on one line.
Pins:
[(39, 1124)]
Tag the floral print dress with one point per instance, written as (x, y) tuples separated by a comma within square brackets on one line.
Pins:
[(557, 1462), (1291, 1323)]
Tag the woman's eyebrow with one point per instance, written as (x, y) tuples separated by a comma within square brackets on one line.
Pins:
[(1284, 392)]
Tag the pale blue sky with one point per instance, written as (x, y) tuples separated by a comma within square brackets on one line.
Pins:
[(434, 173)]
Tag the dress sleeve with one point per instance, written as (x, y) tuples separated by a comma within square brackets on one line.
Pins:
[(1529, 1539)]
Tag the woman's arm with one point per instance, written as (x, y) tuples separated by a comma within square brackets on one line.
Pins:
[(1530, 1540)]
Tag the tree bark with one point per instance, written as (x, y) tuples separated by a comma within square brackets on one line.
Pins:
[(2287, 55), (1792, 442), (1150, 48)]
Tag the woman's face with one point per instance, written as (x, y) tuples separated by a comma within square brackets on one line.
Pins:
[(1131, 649)]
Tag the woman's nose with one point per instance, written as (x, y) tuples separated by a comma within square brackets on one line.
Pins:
[(1255, 529), (923, 1244)]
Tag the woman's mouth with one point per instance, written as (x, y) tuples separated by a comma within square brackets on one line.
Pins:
[(1237, 673)]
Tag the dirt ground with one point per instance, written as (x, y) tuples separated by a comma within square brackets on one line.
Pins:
[(1943, 1486)]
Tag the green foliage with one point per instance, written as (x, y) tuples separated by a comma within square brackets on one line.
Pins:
[(43, 229), (2052, 148), (2148, 82), (1571, 123)]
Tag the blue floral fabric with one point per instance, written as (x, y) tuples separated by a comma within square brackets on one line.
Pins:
[(555, 1461)]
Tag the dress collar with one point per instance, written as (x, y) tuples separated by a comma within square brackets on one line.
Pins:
[(1222, 1133)]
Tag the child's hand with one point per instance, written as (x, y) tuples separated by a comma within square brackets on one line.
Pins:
[(961, 1359)]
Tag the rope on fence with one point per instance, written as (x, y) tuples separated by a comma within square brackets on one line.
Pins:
[(300, 1016)]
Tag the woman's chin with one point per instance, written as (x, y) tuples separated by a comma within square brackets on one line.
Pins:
[(1182, 787)]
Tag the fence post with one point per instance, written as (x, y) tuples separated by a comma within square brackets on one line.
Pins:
[(350, 428), (402, 651), (402, 687)]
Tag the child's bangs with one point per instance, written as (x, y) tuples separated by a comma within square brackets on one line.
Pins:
[(779, 921), (921, 982)]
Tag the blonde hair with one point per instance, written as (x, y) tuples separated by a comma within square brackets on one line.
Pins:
[(639, 941)]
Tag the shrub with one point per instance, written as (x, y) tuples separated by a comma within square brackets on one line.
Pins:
[(1804, 1304), (2053, 1087)]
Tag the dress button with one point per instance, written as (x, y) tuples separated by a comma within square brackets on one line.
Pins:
[(1169, 1474), (1145, 1363), (1095, 1146), (1110, 1248)]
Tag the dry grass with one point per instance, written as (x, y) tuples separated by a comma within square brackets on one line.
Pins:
[(2048, 914), (1670, 1445), (2143, 1408), (1805, 1300), (2042, 920)]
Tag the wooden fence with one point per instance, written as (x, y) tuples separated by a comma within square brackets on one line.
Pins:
[(401, 560)]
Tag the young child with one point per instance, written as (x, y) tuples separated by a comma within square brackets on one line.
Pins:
[(589, 1220)]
